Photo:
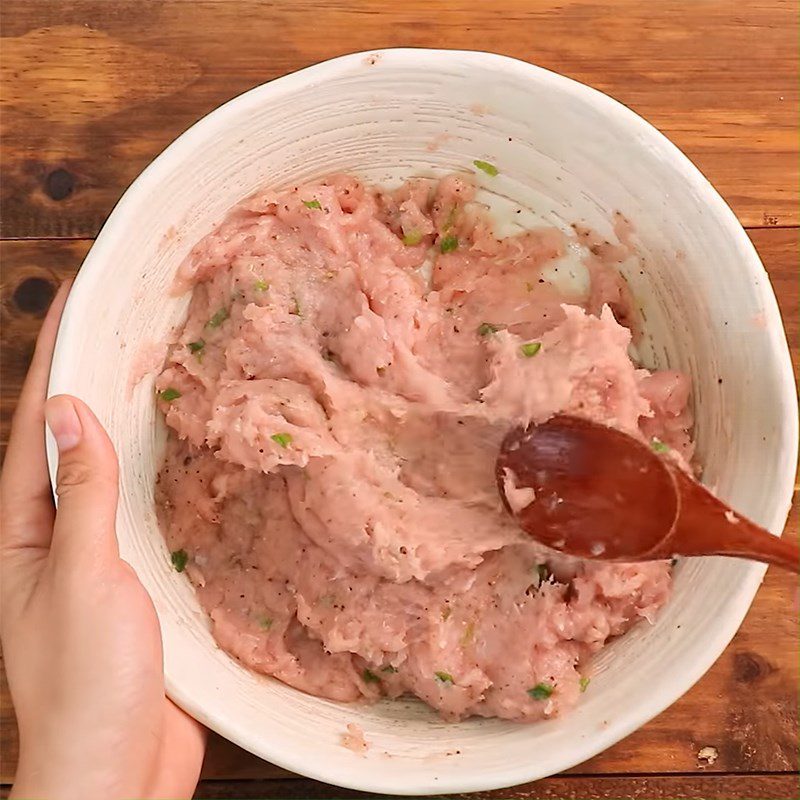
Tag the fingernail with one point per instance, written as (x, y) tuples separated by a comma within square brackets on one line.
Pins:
[(63, 421)]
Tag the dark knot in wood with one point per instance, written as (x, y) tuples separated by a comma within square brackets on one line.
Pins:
[(33, 296), (59, 184)]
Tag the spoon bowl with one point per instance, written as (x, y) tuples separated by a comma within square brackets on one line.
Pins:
[(591, 491)]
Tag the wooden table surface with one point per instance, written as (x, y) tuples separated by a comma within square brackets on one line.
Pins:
[(92, 90)]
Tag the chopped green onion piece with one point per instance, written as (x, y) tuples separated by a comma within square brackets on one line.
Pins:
[(312, 204), (444, 677), (261, 286), (584, 684), (168, 395), (485, 328), (295, 309), (196, 347), (485, 166), (448, 244), (412, 238), (446, 612), (370, 677), (179, 559), (283, 439), (541, 691), (218, 318), (389, 668), (265, 623), (659, 446), (530, 349)]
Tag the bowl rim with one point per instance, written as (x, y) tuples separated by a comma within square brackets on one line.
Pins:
[(113, 232)]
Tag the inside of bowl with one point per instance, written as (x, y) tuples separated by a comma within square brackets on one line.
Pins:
[(565, 154)]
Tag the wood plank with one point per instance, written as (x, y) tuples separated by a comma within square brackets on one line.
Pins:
[(31, 274), (727, 787), (93, 90), (745, 707)]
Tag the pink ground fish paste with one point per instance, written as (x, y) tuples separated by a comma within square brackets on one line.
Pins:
[(351, 360)]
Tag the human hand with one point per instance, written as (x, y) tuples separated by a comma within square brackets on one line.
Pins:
[(80, 636)]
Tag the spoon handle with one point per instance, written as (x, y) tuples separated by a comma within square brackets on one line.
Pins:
[(706, 526)]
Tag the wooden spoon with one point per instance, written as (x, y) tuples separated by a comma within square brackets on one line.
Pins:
[(600, 493)]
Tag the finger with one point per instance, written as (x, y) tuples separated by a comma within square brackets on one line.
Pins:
[(86, 483), (180, 758), (25, 495)]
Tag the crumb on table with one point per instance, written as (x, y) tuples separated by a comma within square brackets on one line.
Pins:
[(707, 755)]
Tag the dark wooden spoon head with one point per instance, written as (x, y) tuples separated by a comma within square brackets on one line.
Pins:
[(598, 492)]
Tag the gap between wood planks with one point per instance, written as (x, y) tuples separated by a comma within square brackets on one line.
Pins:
[(653, 787)]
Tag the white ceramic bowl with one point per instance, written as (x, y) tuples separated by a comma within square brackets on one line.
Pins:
[(565, 152)]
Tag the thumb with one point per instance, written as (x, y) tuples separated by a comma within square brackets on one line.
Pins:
[(86, 482)]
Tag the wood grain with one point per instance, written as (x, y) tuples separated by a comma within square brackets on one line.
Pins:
[(745, 707), (31, 272), (92, 90)]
